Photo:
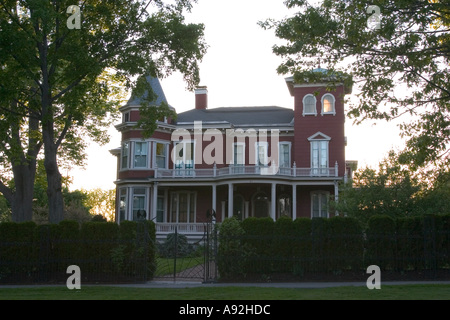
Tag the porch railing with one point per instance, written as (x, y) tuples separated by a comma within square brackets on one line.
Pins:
[(236, 170), (185, 228)]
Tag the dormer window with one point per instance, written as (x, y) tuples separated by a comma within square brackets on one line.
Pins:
[(328, 104), (309, 105)]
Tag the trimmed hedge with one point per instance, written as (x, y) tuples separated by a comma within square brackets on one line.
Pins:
[(333, 246), (103, 251)]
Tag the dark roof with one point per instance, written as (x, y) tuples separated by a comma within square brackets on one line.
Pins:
[(157, 89), (240, 115)]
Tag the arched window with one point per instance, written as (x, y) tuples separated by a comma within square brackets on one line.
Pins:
[(328, 104), (309, 105)]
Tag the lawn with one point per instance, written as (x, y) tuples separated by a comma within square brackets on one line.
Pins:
[(234, 293)]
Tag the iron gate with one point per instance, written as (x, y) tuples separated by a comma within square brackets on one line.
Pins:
[(179, 259)]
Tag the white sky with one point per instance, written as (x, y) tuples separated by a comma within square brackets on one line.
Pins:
[(239, 69)]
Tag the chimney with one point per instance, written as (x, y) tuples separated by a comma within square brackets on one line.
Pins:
[(201, 98)]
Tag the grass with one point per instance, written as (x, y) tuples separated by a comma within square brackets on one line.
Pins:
[(165, 265), (387, 292)]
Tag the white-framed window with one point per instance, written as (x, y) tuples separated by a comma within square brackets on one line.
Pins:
[(319, 204), (123, 204), (309, 105), (261, 153), (183, 206), (161, 150), (161, 206), (126, 117), (139, 209), (319, 157), (140, 158), (319, 154), (284, 155), (328, 104), (239, 153), (184, 157), (124, 155)]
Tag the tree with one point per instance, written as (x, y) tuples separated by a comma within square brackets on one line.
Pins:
[(391, 190), (101, 202), (63, 66), (400, 62)]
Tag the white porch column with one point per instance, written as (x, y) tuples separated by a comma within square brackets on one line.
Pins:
[(294, 201), (152, 214), (230, 200), (273, 203)]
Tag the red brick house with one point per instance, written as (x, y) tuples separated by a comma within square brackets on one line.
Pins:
[(238, 161)]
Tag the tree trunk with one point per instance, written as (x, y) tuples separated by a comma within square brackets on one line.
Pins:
[(22, 198), (23, 168), (54, 185)]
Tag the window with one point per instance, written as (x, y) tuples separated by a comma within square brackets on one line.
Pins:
[(182, 207), (309, 105), (239, 154), (161, 155), (126, 117), (184, 157), (261, 156), (285, 155), (139, 204), (319, 204), (122, 204), (140, 154), (125, 152), (319, 157), (284, 205), (160, 209), (319, 154), (239, 157), (328, 102)]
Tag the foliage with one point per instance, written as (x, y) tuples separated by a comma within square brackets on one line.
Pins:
[(176, 245), (69, 80), (232, 252), (98, 218), (101, 202), (400, 63), (392, 190)]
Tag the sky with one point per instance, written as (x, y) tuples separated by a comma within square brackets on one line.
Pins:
[(239, 70)]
